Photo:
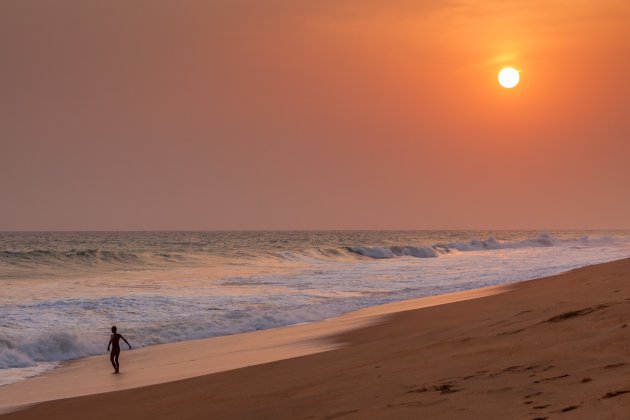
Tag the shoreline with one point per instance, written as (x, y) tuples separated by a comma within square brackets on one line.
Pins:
[(552, 345), (194, 358)]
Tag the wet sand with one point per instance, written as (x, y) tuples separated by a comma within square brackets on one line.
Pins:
[(557, 347)]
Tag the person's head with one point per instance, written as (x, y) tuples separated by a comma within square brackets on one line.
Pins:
[(114, 329)]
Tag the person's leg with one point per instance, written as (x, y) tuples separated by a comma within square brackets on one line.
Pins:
[(112, 356), (117, 363)]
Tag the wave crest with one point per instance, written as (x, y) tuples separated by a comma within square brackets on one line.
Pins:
[(91, 258), (44, 348), (382, 252)]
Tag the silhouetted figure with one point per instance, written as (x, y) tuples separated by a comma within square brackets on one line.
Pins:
[(114, 342)]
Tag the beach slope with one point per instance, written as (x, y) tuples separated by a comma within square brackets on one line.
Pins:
[(547, 348)]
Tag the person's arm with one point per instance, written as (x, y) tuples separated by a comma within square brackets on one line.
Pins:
[(126, 342), (110, 343)]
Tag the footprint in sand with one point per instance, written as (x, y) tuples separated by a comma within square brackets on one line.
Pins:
[(613, 366), (570, 408), (615, 394), (553, 378)]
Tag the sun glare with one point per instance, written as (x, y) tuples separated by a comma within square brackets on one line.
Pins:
[(509, 77)]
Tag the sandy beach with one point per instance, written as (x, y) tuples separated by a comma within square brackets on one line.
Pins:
[(556, 347), (331, 209)]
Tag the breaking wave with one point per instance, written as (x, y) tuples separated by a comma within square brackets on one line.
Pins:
[(92, 258), (543, 240), (45, 348), (395, 251)]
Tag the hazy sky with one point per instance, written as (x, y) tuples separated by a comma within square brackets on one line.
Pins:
[(314, 114)]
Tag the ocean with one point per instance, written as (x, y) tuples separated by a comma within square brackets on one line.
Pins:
[(62, 291)]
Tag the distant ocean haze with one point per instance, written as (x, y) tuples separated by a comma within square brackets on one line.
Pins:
[(62, 291)]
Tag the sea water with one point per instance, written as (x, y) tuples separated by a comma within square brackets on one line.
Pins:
[(61, 292)]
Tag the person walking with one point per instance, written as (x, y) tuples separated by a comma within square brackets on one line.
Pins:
[(114, 343)]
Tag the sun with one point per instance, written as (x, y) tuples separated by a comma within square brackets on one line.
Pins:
[(509, 77)]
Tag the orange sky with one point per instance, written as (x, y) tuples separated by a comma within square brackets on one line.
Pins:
[(284, 114)]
